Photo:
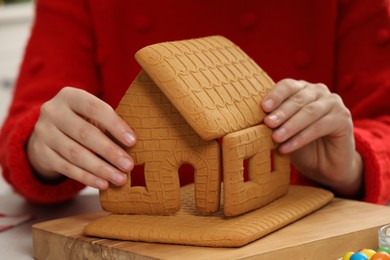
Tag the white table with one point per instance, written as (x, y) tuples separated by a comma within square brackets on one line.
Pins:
[(16, 243)]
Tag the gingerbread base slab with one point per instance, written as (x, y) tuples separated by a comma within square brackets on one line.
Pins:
[(340, 226), (188, 227)]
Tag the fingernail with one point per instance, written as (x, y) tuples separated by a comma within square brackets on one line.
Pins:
[(125, 163), (117, 177), (268, 104), (129, 138), (273, 117)]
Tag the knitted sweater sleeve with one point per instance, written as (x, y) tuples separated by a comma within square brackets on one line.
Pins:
[(60, 52), (373, 141), (363, 81)]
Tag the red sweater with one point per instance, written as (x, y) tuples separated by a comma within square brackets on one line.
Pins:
[(90, 44)]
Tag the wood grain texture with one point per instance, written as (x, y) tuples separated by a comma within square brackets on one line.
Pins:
[(341, 226)]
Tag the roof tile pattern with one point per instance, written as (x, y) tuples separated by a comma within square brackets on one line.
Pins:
[(211, 81)]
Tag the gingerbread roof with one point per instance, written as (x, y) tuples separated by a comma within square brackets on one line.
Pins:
[(211, 82)]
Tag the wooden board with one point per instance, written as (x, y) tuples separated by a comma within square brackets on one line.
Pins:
[(189, 227), (342, 225)]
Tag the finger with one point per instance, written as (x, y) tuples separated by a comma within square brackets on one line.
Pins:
[(291, 106), (308, 94), (80, 175), (39, 157), (323, 127), (280, 92), (92, 138), (100, 112), (305, 117), (76, 154), (61, 165)]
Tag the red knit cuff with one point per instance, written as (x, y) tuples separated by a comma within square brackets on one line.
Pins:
[(375, 185), (20, 173)]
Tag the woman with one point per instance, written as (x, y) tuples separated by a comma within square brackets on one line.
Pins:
[(339, 141)]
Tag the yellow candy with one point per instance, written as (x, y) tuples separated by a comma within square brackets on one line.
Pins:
[(368, 252), (348, 255)]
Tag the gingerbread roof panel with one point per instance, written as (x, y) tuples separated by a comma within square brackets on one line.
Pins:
[(211, 81)]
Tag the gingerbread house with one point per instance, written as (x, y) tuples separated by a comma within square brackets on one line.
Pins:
[(188, 95)]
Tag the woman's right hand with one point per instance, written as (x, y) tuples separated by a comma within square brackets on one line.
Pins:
[(68, 140)]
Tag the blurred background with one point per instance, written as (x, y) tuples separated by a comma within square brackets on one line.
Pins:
[(16, 17)]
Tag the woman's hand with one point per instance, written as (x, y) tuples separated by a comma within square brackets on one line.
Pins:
[(312, 125), (68, 139)]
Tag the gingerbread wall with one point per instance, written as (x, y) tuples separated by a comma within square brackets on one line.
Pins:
[(164, 142), (189, 92)]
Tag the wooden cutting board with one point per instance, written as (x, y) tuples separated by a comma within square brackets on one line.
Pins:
[(341, 226)]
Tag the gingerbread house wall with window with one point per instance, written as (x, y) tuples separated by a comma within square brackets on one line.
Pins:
[(188, 95)]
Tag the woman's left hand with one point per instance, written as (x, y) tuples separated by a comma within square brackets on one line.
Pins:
[(313, 125)]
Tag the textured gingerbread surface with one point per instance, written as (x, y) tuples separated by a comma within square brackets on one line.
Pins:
[(188, 94), (164, 142), (266, 182), (190, 227), (212, 82)]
